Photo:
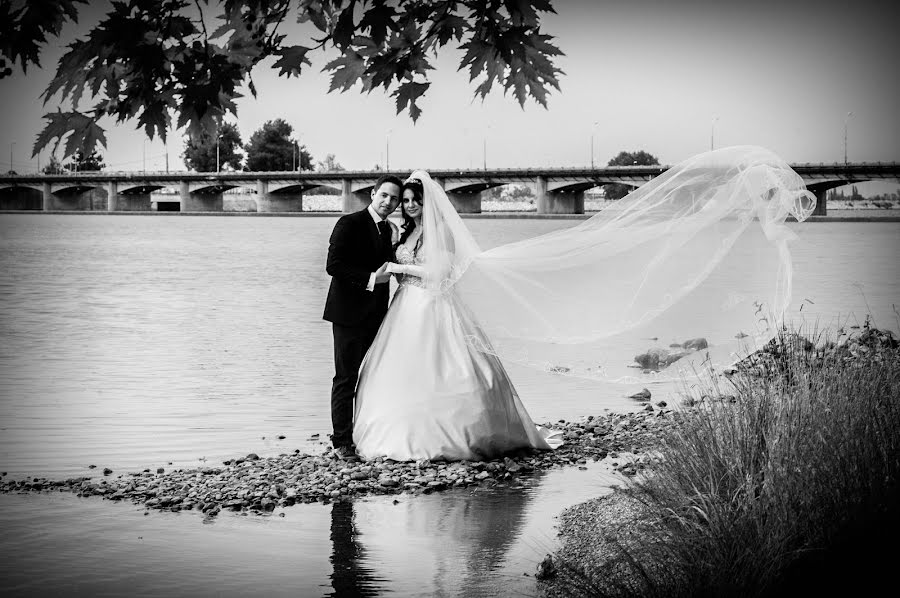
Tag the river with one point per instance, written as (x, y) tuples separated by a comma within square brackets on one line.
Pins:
[(169, 341)]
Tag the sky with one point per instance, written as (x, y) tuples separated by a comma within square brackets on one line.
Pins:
[(671, 78)]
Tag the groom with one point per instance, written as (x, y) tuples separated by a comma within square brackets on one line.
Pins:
[(358, 253)]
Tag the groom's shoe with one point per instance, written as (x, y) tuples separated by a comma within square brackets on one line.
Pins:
[(345, 453)]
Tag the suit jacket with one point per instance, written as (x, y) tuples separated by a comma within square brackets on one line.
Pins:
[(355, 250)]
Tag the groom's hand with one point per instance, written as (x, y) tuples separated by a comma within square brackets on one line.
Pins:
[(382, 274)]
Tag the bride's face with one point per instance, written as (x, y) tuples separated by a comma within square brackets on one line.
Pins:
[(410, 205)]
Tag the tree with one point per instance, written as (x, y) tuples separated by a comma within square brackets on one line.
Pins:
[(54, 167), (200, 151), (638, 158), (271, 147), (329, 164), (82, 163), (150, 59)]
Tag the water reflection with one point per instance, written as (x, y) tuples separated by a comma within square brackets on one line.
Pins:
[(350, 576), (450, 543)]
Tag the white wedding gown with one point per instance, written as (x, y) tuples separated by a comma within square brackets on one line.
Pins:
[(424, 392)]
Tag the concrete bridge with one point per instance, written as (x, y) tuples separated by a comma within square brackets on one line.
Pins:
[(557, 190)]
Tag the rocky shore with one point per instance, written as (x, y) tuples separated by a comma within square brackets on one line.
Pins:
[(257, 485)]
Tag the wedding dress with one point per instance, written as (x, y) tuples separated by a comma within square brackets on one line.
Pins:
[(658, 267), (426, 392)]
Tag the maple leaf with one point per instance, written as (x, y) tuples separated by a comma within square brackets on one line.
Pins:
[(378, 20), (407, 94), (291, 60), (83, 133), (450, 27), (344, 27), (348, 69)]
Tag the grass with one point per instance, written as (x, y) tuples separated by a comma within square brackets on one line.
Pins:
[(782, 482)]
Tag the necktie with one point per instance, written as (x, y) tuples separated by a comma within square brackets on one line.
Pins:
[(384, 230)]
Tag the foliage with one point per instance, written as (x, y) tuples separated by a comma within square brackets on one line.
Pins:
[(200, 151), (785, 483), (151, 59), (271, 147), (54, 167), (86, 163), (329, 164), (638, 158)]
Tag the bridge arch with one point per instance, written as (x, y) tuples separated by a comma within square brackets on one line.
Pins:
[(21, 197)]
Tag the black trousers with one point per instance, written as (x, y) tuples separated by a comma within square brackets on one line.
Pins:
[(350, 346)]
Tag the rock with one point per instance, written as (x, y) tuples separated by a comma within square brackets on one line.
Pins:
[(546, 569), (482, 476), (695, 344), (252, 457), (281, 437), (107, 471), (92, 467), (388, 482), (160, 470), (644, 395)]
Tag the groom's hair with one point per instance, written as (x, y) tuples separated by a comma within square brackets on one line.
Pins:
[(388, 178)]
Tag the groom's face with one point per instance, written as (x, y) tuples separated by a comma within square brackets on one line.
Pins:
[(385, 199)]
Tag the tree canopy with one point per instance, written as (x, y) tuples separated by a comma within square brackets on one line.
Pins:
[(271, 147), (200, 150), (152, 59), (636, 158), (85, 163)]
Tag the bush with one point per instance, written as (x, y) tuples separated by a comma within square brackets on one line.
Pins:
[(783, 483)]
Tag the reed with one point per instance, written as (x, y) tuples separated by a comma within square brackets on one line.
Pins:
[(782, 480)]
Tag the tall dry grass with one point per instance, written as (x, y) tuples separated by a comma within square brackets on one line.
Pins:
[(782, 482)]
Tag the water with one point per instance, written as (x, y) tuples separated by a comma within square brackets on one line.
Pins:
[(134, 341)]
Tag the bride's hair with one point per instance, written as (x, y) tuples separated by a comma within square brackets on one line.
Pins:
[(409, 224)]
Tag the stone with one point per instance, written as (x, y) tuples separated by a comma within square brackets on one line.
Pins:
[(643, 395), (695, 344)]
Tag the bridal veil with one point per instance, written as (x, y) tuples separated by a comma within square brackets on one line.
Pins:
[(699, 251)]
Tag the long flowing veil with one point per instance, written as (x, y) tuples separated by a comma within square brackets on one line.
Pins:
[(698, 252)]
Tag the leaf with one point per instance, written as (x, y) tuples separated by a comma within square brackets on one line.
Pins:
[(407, 94), (292, 58), (83, 132), (348, 69), (450, 27), (344, 28), (378, 20)]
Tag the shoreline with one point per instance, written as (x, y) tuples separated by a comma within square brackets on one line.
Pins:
[(256, 485)]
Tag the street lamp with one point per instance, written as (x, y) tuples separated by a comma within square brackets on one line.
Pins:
[(846, 122), (712, 134), (144, 155), (11, 145), (387, 150), (592, 143), (218, 132), (484, 147)]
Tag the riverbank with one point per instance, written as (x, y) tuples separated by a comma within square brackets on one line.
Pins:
[(256, 485), (786, 482)]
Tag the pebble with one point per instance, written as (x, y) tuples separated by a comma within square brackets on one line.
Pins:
[(254, 484)]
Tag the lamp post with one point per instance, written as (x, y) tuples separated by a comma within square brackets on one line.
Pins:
[(484, 148), (387, 150), (218, 132), (846, 123), (712, 134), (12, 144), (144, 155), (592, 143)]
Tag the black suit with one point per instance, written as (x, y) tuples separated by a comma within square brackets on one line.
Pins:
[(356, 249)]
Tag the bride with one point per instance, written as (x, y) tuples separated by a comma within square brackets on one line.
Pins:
[(699, 251), (425, 390)]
